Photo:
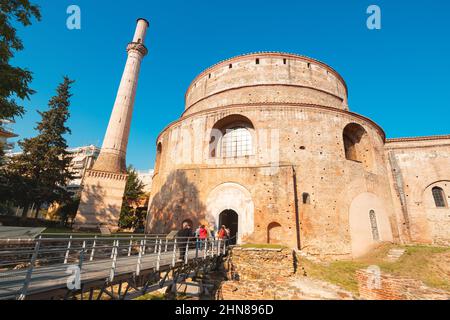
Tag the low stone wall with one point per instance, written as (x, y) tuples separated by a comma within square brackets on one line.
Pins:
[(270, 274), (389, 287), (259, 274)]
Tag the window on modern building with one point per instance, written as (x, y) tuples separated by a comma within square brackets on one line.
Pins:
[(374, 225), (439, 197)]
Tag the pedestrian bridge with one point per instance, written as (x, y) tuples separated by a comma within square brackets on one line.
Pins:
[(115, 267)]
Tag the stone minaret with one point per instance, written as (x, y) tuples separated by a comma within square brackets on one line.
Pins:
[(112, 156), (104, 185)]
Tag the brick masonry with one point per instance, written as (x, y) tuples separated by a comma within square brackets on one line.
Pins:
[(264, 274), (389, 287), (296, 111)]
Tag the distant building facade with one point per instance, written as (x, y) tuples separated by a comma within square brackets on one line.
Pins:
[(6, 133), (83, 159), (146, 177)]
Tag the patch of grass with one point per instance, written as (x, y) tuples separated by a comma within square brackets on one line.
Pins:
[(428, 264), (58, 230), (340, 273), (152, 296), (262, 246)]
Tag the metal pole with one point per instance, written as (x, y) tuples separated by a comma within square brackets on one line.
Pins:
[(186, 253), (156, 244), (30, 270), (113, 266), (224, 247), (218, 246), (174, 253), (138, 266), (204, 251), (93, 249), (68, 250), (80, 260), (129, 247), (145, 245), (212, 248), (158, 260)]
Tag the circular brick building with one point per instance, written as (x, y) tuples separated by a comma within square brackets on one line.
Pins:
[(267, 146)]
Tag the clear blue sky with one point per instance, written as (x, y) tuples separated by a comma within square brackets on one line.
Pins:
[(398, 76)]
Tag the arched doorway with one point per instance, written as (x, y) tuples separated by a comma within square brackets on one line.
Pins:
[(274, 233), (232, 196), (230, 219)]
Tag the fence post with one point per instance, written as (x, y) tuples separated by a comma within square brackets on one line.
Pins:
[(174, 253), (186, 253), (156, 244), (165, 249), (224, 247), (212, 248), (138, 266), (113, 266), (218, 246), (145, 245), (158, 260), (206, 247), (93, 249), (81, 258), (66, 257), (34, 257), (129, 248)]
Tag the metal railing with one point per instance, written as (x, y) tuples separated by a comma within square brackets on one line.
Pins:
[(30, 265)]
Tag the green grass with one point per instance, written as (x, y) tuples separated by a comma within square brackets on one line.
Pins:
[(152, 296), (425, 263), (262, 246)]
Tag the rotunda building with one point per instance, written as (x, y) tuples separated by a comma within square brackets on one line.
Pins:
[(268, 147)]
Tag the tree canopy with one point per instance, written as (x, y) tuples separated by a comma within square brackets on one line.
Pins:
[(14, 81)]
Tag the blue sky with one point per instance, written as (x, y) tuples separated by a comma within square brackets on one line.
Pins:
[(398, 76)]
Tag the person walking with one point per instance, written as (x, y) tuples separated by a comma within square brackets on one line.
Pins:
[(183, 237), (223, 233)]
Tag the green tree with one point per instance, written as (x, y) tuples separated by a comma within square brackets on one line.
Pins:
[(14, 81), (130, 217), (44, 162), (68, 210)]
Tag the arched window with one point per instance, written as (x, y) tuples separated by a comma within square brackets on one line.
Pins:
[(357, 145), (158, 158), (374, 225), (236, 142), (439, 197), (232, 137), (306, 198)]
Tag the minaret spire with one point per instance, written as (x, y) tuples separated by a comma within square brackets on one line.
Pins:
[(104, 185), (113, 153)]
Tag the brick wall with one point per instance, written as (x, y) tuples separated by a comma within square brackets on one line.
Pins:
[(260, 274), (390, 287)]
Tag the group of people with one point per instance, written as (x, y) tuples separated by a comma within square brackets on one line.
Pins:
[(200, 235)]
